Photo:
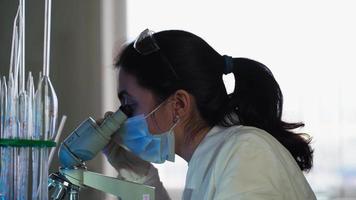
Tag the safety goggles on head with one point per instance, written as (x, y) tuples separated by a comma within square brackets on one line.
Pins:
[(146, 44)]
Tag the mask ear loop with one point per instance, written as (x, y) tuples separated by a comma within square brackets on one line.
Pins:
[(153, 114), (175, 121), (154, 110)]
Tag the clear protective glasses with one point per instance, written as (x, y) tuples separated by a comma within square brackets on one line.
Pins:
[(145, 44)]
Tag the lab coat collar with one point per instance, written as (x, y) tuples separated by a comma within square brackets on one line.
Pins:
[(210, 133), (199, 159)]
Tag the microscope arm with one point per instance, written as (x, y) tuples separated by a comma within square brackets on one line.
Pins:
[(124, 189)]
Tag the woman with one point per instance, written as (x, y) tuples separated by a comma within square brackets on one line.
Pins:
[(236, 145)]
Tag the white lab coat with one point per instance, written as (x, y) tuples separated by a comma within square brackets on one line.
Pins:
[(244, 163)]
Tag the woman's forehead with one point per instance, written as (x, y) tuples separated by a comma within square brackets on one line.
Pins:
[(126, 81), (129, 86)]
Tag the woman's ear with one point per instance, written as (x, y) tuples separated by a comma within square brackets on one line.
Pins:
[(182, 104)]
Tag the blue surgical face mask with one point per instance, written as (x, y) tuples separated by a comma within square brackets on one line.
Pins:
[(135, 136)]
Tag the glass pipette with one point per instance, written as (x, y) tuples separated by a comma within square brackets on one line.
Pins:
[(46, 104)]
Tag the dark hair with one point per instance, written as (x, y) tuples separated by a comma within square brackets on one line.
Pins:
[(256, 101)]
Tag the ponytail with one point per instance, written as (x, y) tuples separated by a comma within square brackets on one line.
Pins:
[(257, 101)]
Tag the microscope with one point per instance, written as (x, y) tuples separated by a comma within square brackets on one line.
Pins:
[(83, 144)]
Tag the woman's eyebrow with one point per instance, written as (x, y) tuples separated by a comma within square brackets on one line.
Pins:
[(122, 94)]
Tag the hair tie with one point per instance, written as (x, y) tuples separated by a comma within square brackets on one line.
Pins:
[(229, 65)]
